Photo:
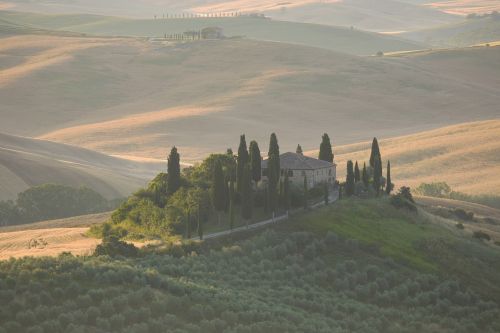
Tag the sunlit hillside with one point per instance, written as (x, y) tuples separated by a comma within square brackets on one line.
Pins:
[(466, 156), (129, 96)]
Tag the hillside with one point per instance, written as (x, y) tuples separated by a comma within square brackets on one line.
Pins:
[(149, 96), (468, 32), (26, 162), (386, 15), (357, 266), (340, 39), (466, 156)]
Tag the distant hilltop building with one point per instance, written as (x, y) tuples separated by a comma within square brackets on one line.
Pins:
[(299, 166), (212, 33)]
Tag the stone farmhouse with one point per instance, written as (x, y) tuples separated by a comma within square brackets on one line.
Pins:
[(299, 166)]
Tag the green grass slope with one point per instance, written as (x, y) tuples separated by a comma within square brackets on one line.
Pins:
[(422, 241), (328, 37)]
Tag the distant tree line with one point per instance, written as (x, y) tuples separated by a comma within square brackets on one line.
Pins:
[(52, 201)]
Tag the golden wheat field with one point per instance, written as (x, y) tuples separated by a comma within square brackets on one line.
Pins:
[(466, 156)]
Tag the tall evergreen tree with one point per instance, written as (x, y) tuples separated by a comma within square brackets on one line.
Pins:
[(286, 192), (218, 190), (375, 153), (357, 175), (305, 194), (326, 194), (389, 185), (188, 224), (377, 172), (241, 160), (273, 172), (299, 150), (365, 177), (325, 149), (231, 204), (246, 195), (255, 161), (349, 182), (173, 172), (200, 222)]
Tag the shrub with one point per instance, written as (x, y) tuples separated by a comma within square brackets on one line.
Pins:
[(112, 246), (459, 226), (463, 215), (404, 199), (481, 235)]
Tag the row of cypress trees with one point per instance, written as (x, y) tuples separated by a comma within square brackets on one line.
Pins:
[(354, 175)]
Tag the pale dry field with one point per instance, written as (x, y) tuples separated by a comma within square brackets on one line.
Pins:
[(252, 6), (466, 156), (465, 7), (49, 242), (130, 97)]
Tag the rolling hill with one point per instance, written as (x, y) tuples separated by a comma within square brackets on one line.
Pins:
[(466, 156), (126, 96), (339, 39), (468, 32), (26, 162), (385, 15)]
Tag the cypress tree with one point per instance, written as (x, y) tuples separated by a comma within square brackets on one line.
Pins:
[(231, 204), (299, 150), (241, 161), (200, 224), (326, 194), (377, 172), (226, 193), (173, 172), (389, 186), (325, 149), (357, 176), (365, 176), (255, 161), (375, 153), (218, 190), (273, 171), (286, 192), (349, 182), (306, 194), (188, 224), (246, 195)]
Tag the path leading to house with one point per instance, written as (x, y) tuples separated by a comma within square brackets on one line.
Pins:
[(334, 196)]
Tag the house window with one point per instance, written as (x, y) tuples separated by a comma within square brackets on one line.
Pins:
[(330, 172), (303, 173), (264, 172), (290, 173)]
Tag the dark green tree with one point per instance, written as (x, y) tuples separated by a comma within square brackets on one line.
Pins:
[(389, 185), (273, 172), (326, 194), (325, 149), (218, 190), (200, 222), (286, 192), (231, 204), (188, 224), (241, 161), (364, 176), (377, 175), (255, 161), (357, 175), (246, 195), (375, 153), (299, 150), (349, 182), (174, 172), (305, 194)]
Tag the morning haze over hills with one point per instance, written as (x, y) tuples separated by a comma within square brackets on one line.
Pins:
[(132, 141)]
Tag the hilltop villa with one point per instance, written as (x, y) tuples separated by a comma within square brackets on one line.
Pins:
[(298, 166)]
